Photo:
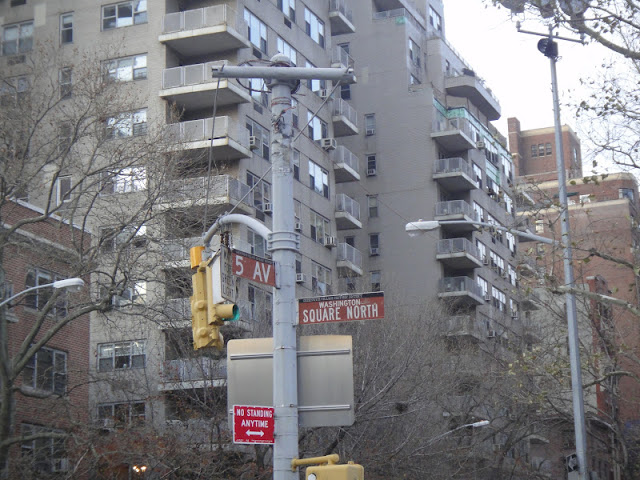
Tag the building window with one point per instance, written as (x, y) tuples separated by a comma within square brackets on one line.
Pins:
[(288, 7), (257, 32), (134, 293), (372, 165), (498, 299), (294, 113), (124, 14), (17, 38), (435, 20), (539, 226), (479, 211), (126, 69), (15, 3), (497, 262), (320, 227), (65, 82), (534, 151), (112, 239), (37, 299), (541, 150), (121, 355), (260, 304), (374, 244), (66, 28), (370, 124), (314, 27), (315, 85), (257, 244), (548, 149), (128, 124), (288, 50), (259, 91), (46, 454), (298, 263), (46, 371), (63, 190), (414, 53), (120, 415), (512, 275), (413, 80), (484, 286), (318, 179), (320, 279), (317, 129), (626, 193), (260, 191), (295, 160), (127, 180), (482, 250), (511, 241), (261, 138), (375, 278), (372, 204)]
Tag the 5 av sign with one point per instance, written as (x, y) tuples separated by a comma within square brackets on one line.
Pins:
[(254, 268)]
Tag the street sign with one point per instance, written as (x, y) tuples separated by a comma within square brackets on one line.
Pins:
[(253, 424), (341, 308), (325, 377), (223, 282), (254, 268)]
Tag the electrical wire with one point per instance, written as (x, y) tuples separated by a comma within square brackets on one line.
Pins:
[(210, 159)]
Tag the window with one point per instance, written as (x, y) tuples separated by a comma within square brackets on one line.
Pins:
[(484, 286), (541, 150), (482, 250), (15, 3), (511, 241), (121, 355), (259, 195), (414, 53), (286, 49), (498, 299), (435, 20), (294, 112), (320, 279), (37, 299), (478, 173), (479, 211), (259, 91), (257, 244), (129, 124), (260, 304), (126, 69), (288, 7), (314, 27), (548, 148), (65, 83), (46, 454), (298, 263), (370, 124), (497, 262), (508, 203), (375, 279), (413, 80), (17, 38), (372, 165), (318, 179), (534, 151), (374, 244), (124, 14), (112, 239), (119, 415), (512, 275), (320, 227), (262, 138), (257, 32), (316, 129), (315, 85), (372, 204), (66, 28), (134, 293), (626, 193), (295, 160), (127, 180), (46, 371), (62, 189), (539, 226)]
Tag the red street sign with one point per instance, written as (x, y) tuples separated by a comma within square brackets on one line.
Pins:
[(253, 424), (341, 308), (254, 268)]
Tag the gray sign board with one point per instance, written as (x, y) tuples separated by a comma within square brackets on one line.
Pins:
[(325, 377)]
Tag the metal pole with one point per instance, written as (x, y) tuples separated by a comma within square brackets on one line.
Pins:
[(572, 320)]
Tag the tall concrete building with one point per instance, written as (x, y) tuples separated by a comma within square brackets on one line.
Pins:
[(412, 139)]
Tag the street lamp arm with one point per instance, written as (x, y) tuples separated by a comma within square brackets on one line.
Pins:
[(69, 283), (421, 226), (250, 222), (481, 423), (599, 296)]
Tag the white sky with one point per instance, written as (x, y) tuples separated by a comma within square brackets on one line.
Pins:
[(513, 68)]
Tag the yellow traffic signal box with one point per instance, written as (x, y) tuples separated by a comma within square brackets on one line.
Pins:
[(350, 471)]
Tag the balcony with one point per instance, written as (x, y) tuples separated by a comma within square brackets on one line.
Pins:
[(192, 87), (464, 326), (224, 193), (177, 250), (178, 308), (230, 139), (204, 31), (345, 119), (345, 165), (531, 331), (340, 17), (197, 372), (469, 86), (349, 260), (347, 212), (454, 174), (456, 210), (458, 253), (453, 134), (340, 58), (460, 290)]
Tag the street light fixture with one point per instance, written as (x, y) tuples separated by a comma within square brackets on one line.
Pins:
[(481, 423), (421, 226), (71, 284)]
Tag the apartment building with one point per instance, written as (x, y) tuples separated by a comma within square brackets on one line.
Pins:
[(412, 139)]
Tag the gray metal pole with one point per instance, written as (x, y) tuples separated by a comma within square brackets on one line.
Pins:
[(572, 320)]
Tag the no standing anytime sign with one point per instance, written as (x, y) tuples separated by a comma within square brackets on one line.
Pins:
[(341, 308)]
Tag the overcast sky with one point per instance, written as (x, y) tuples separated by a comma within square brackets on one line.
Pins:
[(510, 63)]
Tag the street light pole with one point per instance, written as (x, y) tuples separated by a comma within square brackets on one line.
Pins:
[(71, 284)]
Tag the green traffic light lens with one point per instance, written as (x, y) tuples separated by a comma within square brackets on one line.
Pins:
[(236, 314)]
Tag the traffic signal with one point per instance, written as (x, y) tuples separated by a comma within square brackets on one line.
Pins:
[(206, 316), (350, 471)]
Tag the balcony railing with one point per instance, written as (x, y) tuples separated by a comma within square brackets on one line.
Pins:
[(347, 253), (178, 249), (194, 369), (342, 7), (339, 56), (343, 155), (199, 130), (443, 124), (455, 207), (178, 308), (197, 188), (201, 18), (343, 109), (189, 74), (345, 203), (452, 165), (456, 245), (459, 284)]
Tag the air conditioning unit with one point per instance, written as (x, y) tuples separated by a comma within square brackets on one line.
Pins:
[(514, 316), (373, 251), (371, 172), (298, 226), (328, 144), (60, 465), (491, 334), (108, 423), (485, 260), (497, 447), (299, 277), (487, 298), (330, 241), (267, 207), (324, 93), (480, 144), (253, 142), (505, 274), (370, 131)]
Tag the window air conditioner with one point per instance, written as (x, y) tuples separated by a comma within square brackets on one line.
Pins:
[(491, 334), (324, 93), (267, 207), (298, 226), (330, 241), (485, 260), (371, 172), (487, 298), (299, 277), (328, 144), (480, 144), (253, 142), (373, 251), (514, 316), (370, 131)]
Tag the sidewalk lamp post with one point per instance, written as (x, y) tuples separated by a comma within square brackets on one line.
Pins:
[(71, 284)]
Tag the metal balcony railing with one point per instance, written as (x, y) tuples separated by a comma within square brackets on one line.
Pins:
[(342, 108), (443, 124), (197, 188), (345, 203), (459, 284), (350, 254), (452, 165), (342, 7), (189, 74), (339, 55), (178, 308), (456, 245), (455, 207), (202, 17), (194, 369), (343, 155), (199, 130)]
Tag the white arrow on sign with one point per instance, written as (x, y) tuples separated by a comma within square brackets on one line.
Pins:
[(261, 433)]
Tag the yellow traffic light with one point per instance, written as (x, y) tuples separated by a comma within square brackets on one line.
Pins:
[(350, 471)]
